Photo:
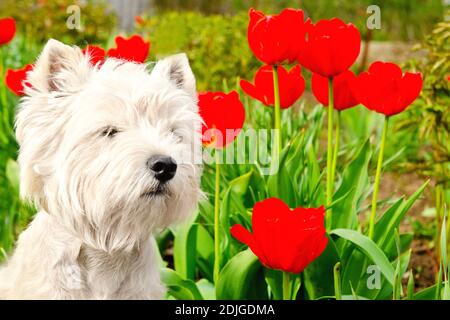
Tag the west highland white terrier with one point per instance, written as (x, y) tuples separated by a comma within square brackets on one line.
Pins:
[(109, 156)]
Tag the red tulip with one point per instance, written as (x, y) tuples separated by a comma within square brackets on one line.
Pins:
[(343, 87), (331, 47), (96, 54), (284, 239), (139, 20), (223, 115), (276, 39), (7, 30), (385, 89), (134, 49), (16, 79), (291, 86)]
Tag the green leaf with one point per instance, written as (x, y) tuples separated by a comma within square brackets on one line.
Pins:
[(207, 289), (185, 250), (353, 184), (242, 278), (397, 276), (370, 249), (444, 261), (274, 279), (205, 252), (318, 276), (353, 297), (379, 233), (386, 225), (280, 185), (410, 287), (337, 281), (405, 244), (240, 184), (12, 174), (231, 210), (295, 156), (178, 287), (427, 293)]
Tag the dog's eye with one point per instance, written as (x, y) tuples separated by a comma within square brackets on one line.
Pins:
[(177, 134), (110, 132)]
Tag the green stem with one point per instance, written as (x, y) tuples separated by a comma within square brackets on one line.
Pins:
[(439, 215), (337, 281), (330, 152), (336, 145), (277, 124), (216, 219), (286, 286), (4, 120), (377, 178)]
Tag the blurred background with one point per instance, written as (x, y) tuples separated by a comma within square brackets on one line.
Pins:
[(414, 33)]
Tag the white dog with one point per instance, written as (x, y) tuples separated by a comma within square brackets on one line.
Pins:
[(108, 154)]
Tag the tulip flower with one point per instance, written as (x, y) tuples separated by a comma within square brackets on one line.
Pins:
[(223, 116), (134, 49), (330, 48), (385, 89), (139, 20), (276, 39), (7, 30), (291, 83), (96, 54), (16, 79), (343, 87), (344, 98), (284, 239)]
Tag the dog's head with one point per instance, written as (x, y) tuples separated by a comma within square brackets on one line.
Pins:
[(112, 151)]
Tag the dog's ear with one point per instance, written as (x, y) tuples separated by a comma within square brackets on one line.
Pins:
[(59, 68), (177, 70)]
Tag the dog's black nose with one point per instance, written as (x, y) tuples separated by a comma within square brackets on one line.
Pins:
[(164, 167)]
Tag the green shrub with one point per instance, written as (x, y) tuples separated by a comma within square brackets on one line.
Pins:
[(430, 118), (217, 45), (401, 19), (47, 19)]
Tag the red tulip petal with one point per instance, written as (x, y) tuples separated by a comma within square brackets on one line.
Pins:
[(96, 54), (411, 85), (331, 47), (386, 90), (268, 221), (291, 86), (7, 30), (16, 79), (243, 235), (224, 113), (270, 37), (288, 240), (252, 91), (319, 86), (131, 49), (343, 90)]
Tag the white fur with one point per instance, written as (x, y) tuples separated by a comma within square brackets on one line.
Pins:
[(92, 238)]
